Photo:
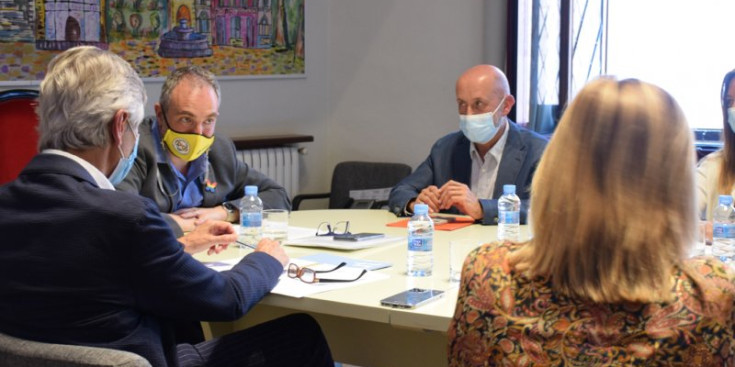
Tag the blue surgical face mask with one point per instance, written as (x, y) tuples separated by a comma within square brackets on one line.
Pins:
[(480, 128), (125, 164), (731, 118)]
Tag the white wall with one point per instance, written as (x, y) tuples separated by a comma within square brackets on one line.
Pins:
[(394, 65)]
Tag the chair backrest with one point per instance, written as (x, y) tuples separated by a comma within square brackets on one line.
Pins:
[(18, 135), (18, 352), (362, 176)]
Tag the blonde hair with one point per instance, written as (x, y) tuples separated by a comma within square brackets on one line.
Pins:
[(613, 196)]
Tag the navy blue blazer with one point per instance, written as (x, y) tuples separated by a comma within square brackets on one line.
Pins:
[(450, 160), (86, 266)]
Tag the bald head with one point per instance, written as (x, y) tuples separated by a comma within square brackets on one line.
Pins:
[(481, 88)]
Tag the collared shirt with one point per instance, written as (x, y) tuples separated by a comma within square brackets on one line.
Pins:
[(485, 173), (188, 188), (99, 178)]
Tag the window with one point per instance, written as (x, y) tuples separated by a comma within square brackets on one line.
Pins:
[(680, 46), (235, 27), (562, 44)]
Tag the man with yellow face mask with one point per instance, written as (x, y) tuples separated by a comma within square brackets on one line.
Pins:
[(190, 172)]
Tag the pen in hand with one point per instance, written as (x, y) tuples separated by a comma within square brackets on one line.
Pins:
[(245, 244)]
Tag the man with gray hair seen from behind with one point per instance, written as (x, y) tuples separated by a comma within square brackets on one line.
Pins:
[(83, 264)]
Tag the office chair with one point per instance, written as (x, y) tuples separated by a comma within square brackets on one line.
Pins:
[(358, 176), (19, 352), (18, 135)]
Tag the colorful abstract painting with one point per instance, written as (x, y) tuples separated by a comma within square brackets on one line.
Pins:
[(228, 37)]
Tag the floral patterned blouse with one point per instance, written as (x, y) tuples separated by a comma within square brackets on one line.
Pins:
[(505, 319)]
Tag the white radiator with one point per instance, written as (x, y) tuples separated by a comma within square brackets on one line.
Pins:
[(279, 163)]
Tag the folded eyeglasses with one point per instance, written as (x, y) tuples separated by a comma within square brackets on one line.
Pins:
[(326, 229)]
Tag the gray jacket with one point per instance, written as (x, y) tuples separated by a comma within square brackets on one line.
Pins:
[(158, 181)]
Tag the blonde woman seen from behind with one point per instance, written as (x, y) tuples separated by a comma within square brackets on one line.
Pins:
[(604, 281)]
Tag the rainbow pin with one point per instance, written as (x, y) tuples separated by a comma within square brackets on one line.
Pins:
[(210, 186)]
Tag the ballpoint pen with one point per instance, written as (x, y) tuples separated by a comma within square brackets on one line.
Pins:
[(245, 244)]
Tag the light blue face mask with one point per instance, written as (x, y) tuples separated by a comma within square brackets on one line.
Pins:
[(480, 128), (125, 164), (731, 118)]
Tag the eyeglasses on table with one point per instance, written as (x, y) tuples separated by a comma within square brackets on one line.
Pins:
[(326, 229), (308, 275)]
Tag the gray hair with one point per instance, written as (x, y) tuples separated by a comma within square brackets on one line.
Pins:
[(195, 73), (83, 89)]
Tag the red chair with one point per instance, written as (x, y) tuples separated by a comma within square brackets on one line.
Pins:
[(18, 135)]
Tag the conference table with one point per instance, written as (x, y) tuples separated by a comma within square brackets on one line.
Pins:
[(359, 330)]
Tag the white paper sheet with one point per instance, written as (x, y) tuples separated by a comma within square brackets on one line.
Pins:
[(294, 287)]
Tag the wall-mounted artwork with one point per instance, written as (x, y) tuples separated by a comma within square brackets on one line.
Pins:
[(229, 37)]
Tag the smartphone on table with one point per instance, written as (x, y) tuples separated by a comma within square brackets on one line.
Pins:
[(412, 298)]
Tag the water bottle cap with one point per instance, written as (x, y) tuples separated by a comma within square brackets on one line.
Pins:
[(251, 190), (725, 199), (420, 209), (509, 189)]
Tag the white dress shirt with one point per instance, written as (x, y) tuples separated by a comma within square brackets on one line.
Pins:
[(485, 171)]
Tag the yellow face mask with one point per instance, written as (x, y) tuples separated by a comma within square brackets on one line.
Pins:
[(187, 146)]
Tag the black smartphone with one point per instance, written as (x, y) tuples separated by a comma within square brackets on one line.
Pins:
[(357, 236), (412, 298)]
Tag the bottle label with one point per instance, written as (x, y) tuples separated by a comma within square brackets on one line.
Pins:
[(723, 230), (509, 217), (251, 219), (420, 244)]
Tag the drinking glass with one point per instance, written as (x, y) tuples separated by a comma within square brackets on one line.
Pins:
[(275, 224), (458, 250)]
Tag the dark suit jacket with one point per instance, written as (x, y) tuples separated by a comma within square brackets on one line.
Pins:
[(158, 181), (450, 160), (86, 266)]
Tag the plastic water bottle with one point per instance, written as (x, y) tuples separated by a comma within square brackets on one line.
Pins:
[(509, 214), (723, 230), (251, 216), (420, 242)]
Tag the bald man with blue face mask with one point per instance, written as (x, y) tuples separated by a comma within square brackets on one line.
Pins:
[(466, 170)]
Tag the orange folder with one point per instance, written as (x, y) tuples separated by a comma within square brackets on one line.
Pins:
[(446, 223)]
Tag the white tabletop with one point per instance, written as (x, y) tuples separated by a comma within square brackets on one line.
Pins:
[(363, 301)]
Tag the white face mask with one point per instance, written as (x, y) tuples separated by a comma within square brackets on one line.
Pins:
[(731, 118), (480, 128)]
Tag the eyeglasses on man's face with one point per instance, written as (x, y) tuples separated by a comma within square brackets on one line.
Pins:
[(326, 228), (308, 275)]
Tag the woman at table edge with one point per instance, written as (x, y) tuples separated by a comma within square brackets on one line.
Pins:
[(606, 279)]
